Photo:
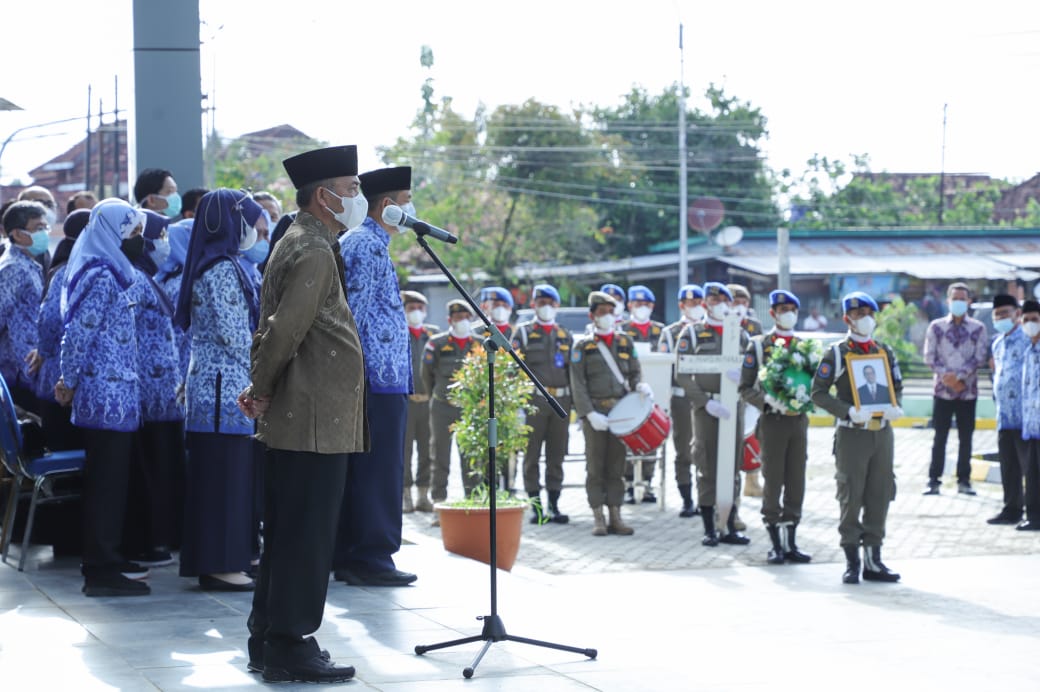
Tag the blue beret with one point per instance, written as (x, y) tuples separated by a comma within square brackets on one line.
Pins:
[(714, 288), (496, 293), (640, 293), (691, 291), (613, 290), (858, 299), (545, 291), (779, 297)]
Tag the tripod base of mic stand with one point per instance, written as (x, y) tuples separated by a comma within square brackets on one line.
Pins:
[(495, 631)]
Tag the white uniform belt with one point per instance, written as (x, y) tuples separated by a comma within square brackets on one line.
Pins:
[(559, 391), (874, 424)]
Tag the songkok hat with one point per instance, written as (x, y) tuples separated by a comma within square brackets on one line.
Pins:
[(496, 293), (780, 297), (613, 290), (640, 293), (858, 299), (1030, 306), (545, 291), (413, 297), (714, 288), (738, 291), (75, 223), (458, 305), (321, 164), (600, 298), (1002, 299), (691, 291), (386, 180)]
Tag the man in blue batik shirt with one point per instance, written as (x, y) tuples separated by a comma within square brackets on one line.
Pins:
[(370, 518), (1009, 347), (21, 289)]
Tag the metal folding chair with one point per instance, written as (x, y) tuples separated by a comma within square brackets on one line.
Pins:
[(40, 471)]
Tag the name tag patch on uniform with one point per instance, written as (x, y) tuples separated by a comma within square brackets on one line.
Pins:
[(749, 360), (824, 371), (427, 355), (559, 361), (576, 355), (684, 344)]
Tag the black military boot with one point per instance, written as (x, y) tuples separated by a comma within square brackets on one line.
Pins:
[(776, 553), (874, 569), (852, 564), (555, 515), (732, 536), (537, 516), (711, 536), (688, 508), (791, 552)]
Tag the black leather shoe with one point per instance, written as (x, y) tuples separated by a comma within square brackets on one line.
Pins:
[(933, 489), (966, 489), (208, 582), (734, 538), (688, 510), (256, 655), (306, 663), (649, 497), (630, 496), (114, 585), (392, 577), (1005, 517), (1028, 525)]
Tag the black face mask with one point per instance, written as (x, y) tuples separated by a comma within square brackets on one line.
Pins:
[(133, 248)]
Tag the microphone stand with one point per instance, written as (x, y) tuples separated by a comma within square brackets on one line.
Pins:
[(494, 630)]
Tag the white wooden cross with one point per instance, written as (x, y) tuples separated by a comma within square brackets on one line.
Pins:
[(730, 359)]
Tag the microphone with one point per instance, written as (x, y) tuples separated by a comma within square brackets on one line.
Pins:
[(395, 216)]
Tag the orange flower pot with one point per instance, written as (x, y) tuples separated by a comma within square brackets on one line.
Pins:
[(466, 531)]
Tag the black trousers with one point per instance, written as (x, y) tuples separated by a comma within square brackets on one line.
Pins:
[(302, 496), (943, 411), (105, 482), (1010, 470), (156, 501), (370, 518), (1029, 457)]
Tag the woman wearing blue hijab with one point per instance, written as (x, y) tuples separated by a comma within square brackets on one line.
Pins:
[(169, 278), (99, 379), (218, 301)]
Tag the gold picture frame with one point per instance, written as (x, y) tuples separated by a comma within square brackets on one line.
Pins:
[(870, 378)]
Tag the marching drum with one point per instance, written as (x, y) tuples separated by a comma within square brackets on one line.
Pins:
[(640, 423), (752, 449)]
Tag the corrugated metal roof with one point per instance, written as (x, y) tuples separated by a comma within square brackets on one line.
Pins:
[(923, 266)]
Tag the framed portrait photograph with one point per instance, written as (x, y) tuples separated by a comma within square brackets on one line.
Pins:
[(871, 380)]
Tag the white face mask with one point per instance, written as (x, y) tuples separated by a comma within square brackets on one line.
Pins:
[(415, 317), (787, 320), (864, 326), (641, 314), (546, 313), (354, 209), (719, 311), (407, 208), (460, 329), (619, 310), (741, 311), (500, 314), (248, 237), (1031, 329), (605, 323), (160, 251), (695, 313)]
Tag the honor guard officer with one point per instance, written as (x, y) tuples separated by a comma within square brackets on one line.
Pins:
[(862, 443), (604, 367), (417, 431), (497, 302), (702, 391), (742, 306), (546, 347), (618, 294), (690, 298), (442, 356), (783, 434), (643, 330)]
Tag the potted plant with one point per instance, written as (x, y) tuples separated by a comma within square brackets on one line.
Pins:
[(465, 524)]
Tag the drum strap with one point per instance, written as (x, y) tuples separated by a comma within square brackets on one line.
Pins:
[(611, 363)]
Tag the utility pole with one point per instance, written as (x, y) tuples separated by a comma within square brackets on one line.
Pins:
[(683, 259), (942, 170)]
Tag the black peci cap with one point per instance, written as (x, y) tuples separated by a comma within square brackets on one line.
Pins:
[(321, 164)]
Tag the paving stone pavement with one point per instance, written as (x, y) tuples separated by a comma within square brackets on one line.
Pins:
[(950, 525)]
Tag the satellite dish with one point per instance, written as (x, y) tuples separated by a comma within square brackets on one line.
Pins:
[(728, 236), (705, 214)]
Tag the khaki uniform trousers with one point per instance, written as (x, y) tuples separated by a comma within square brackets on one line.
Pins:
[(682, 436), (442, 415), (417, 437), (604, 467), (866, 483), (554, 432), (785, 450)]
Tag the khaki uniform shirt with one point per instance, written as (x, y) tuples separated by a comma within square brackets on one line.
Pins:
[(838, 403), (306, 354), (547, 354), (418, 347), (750, 388), (593, 384), (700, 339), (441, 358), (653, 332)]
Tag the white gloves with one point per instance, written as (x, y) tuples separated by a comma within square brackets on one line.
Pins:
[(775, 404), (892, 413), (598, 421), (717, 409), (644, 390), (858, 416), (733, 375)]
